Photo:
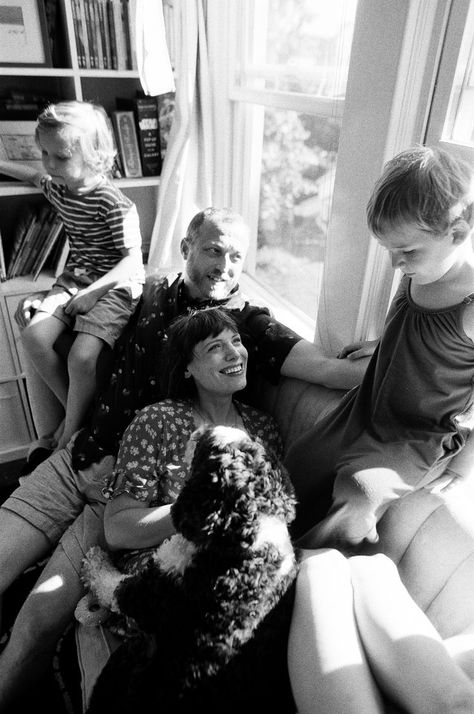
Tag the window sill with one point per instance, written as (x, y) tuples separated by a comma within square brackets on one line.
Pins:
[(284, 312)]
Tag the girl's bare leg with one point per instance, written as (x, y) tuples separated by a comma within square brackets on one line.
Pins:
[(406, 654), (328, 669)]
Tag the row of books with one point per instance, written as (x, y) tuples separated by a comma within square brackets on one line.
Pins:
[(105, 33), (39, 242)]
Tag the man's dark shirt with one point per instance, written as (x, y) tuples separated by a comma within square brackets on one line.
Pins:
[(133, 377)]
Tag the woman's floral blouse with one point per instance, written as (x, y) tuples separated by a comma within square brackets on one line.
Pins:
[(150, 464)]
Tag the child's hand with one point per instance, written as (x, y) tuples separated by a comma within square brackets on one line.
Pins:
[(357, 350), (81, 303), (344, 528)]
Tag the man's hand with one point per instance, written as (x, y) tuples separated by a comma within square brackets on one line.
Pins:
[(357, 350), (82, 302), (27, 308)]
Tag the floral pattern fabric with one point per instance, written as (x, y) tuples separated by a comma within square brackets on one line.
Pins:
[(151, 466)]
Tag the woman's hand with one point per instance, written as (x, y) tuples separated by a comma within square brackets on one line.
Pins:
[(357, 350)]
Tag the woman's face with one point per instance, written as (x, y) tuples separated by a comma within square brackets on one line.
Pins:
[(219, 364)]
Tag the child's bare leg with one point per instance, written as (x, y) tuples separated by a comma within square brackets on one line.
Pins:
[(38, 339), (406, 654), (328, 669), (82, 364)]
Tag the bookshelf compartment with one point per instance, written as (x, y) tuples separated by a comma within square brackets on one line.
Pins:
[(105, 90)]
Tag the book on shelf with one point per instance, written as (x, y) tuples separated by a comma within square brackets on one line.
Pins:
[(23, 229), (60, 254), (33, 246), (145, 110), (127, 142), (166, 110), (3, 267), (54, 232)]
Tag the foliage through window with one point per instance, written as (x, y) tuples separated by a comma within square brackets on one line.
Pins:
[(294, 76)]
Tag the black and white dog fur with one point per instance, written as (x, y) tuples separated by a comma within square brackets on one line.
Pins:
[(214, 604)]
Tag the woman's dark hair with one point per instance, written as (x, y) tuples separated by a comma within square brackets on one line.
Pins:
[(184, 333)]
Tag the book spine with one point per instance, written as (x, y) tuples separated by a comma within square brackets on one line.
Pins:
[(126, 31), (97, 34), (46, 248), (77, 34), (84, 33), (91, 32), (3, 267), (113, 39), (62, 256), (104, 28), (119, 35), (124, 123)]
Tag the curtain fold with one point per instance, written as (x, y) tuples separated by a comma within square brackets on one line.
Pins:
[(187, 175)]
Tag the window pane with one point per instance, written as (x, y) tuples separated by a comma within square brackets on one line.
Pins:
[(459, 126), (297, 177), (303, 46)]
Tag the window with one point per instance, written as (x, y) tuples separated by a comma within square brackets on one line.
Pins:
[(330, 281), (292, 76), (451, 118)]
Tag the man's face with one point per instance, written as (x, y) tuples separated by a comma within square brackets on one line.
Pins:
[(215, 260)]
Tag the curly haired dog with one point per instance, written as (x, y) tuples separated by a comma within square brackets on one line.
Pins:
[(213, 605)]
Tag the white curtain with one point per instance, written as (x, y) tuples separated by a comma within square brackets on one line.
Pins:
[(188, 177)]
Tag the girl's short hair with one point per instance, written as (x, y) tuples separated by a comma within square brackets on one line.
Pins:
[(184, 333), (87, 125), (426, 186)]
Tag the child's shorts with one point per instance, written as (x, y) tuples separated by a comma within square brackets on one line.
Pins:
[(109, 316)]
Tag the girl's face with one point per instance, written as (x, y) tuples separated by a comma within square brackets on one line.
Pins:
[(420, 254), (63, 160), (219, 364)]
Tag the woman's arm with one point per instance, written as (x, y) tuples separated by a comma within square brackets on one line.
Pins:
[(130, 524)]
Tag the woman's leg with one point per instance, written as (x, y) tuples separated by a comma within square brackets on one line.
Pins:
[(327, 665), (406, 654)]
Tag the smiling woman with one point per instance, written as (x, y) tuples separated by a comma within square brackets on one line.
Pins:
[(206, 365)]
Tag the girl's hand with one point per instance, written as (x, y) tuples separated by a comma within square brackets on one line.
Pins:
[(82, 302), (345, 528), (357, 350)]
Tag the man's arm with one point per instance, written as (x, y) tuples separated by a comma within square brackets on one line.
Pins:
[(306, 361)]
